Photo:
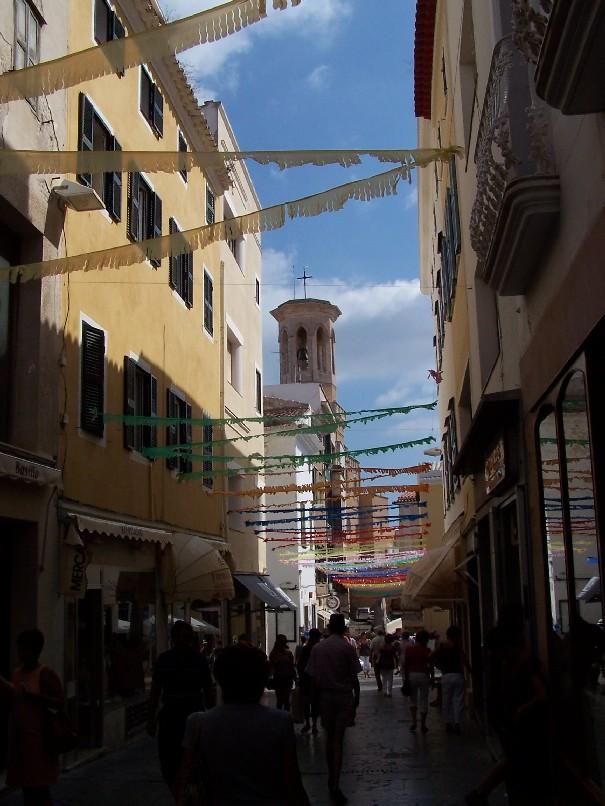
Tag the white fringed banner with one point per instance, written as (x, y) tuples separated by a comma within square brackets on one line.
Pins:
[(270, 218), (14, 163), (120, 54)]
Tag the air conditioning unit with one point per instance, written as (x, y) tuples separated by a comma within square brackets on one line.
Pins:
[(78, 197)]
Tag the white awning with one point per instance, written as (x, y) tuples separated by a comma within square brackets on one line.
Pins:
[(19, 469), (193, 569), (433, 579), (261, 586)]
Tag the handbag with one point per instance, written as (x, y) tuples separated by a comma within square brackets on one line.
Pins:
[(406, 688)]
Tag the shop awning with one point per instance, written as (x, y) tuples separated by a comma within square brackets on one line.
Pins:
[(19, 468), (194, 569), (432, 579), (121, 529), (262, 587)]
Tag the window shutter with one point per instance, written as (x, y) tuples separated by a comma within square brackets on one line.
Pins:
[(118, 31), (130, 381), (155, 224), (174, 259), (132, 224), (207, 451), (157, 110), (146, 99), (183, 150), (186, 464), (172, 462), (152, 431), (188, 260), (455, 208), (85, 139), (113, 189), (92, 380), (210, 206)]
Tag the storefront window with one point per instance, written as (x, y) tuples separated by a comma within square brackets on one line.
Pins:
[(573, 562)]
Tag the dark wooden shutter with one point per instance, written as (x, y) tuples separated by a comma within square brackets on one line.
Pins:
[(455, 208), (92, 380), (172, 430), (210, 206), (152, 432), (132, 223), (155, 223), (207, 438), (174, 259), (85, 139), (186, 465), (157, 110), (130, 383), (146, 99), (117, 32), (188, 271), (113, 189), (102, 21), (183, 150)]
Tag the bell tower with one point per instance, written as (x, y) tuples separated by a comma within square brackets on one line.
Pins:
[(307, 343)]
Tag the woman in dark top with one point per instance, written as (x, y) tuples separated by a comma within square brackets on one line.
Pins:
[(283, 672), (450, 660), (308, 692)]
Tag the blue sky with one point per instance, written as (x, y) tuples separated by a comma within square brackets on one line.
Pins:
[(336, 74)]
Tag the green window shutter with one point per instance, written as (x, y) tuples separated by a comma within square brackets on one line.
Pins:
[(146, 99), (157, 110), (172, 462), (208, 309), (155, 224), (210, 206), (174, 259), (130, 382), (151, 436), (207, 439), (85, 137), (113, 189), (132, 223), (182, 150), (188, 260), (92, 380)]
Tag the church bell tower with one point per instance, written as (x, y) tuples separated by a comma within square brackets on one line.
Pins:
[(307, 343)]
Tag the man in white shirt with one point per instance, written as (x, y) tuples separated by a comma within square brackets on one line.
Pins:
[(334, 668)]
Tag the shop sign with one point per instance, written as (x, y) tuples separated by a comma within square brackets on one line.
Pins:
[(495, 467), (75, 563)]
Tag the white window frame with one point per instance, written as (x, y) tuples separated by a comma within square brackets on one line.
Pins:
[(237, 382), (30, 9)]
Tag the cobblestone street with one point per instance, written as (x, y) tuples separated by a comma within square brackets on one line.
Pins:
[(384, 764)]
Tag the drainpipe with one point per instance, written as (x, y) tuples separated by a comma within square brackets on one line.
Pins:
[(225, 479)]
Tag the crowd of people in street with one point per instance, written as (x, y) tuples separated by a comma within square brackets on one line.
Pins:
[(201, 698)]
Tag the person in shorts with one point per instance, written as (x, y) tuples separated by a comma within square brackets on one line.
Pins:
[(334, 668)]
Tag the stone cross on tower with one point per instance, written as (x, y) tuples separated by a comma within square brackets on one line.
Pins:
[(307, 342)]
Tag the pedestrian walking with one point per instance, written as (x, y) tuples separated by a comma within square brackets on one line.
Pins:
[(449, 659), (388, 660), (33, 763), (283, 671), (365, 651), (266, 771), (182, 682), (299, 648), (375, 646), (334, 667), (309, 694), (417, 671)]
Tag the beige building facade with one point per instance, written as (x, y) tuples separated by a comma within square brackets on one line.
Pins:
[(511, 242)]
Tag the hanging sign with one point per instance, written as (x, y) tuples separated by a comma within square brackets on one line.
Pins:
[(495, 467)]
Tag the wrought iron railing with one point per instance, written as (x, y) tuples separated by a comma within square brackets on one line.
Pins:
[(530, 18), (512, 142)]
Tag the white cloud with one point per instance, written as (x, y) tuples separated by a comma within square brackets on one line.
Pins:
[(410, 200), (317, 20), (318, 78)]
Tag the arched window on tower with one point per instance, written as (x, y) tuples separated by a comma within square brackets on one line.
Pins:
[(333, 341), (302, 352), (321, 350), (284, 353)]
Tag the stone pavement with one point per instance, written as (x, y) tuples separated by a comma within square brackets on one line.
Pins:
[(385, 764)]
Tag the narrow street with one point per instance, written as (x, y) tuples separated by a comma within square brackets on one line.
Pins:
[(384, 764)]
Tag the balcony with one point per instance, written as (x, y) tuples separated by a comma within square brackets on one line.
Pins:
[(565, 39), (516, 208)]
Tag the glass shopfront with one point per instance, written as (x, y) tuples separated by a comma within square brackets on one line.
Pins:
[(573, 552)]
